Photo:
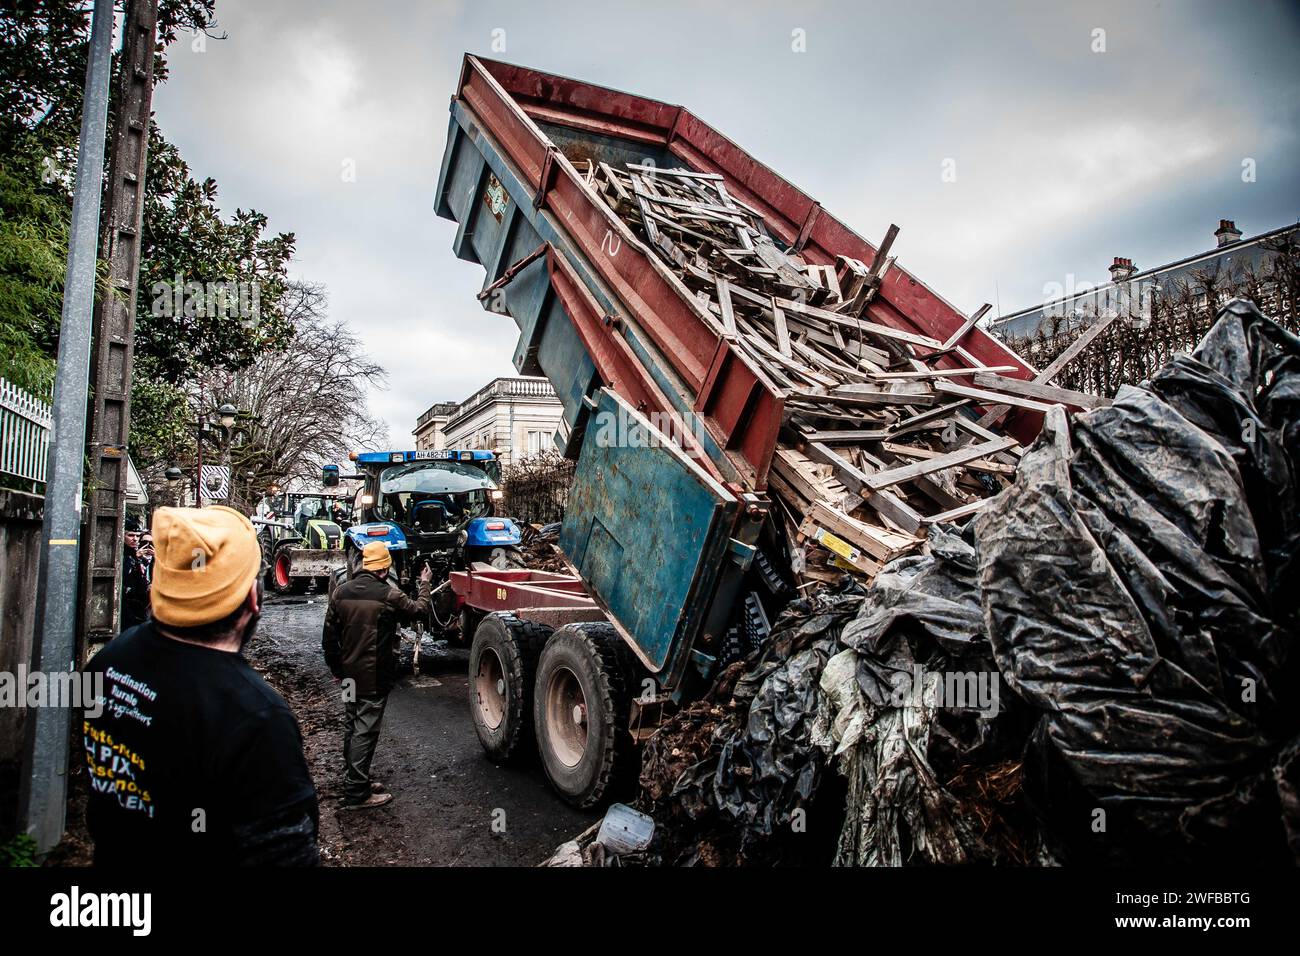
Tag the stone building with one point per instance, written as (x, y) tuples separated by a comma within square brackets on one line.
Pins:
[(513, 416)]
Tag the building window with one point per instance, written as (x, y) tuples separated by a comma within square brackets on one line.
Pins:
[(539, 442)]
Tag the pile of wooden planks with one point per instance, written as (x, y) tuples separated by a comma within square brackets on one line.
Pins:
[(880, 440)]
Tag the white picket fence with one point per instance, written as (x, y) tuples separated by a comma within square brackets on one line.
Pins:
[(24, 433)]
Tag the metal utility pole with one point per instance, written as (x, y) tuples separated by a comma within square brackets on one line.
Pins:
[(114, 344), (43, 791), (198, 467)]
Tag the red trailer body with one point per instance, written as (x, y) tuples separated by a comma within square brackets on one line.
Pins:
[(512, 100)]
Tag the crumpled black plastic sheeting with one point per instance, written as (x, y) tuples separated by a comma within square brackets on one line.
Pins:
[(762, 769), (1140, 589), (771, 768), (901, 740)]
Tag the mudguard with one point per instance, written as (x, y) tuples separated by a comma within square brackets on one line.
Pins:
[(492, 533), (361, 535)]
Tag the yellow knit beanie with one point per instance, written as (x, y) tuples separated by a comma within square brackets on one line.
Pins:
[(375, 556), (205, 563)]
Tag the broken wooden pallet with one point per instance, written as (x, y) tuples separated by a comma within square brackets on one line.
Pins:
[(879, 441)]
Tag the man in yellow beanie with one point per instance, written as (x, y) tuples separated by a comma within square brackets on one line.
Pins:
[(360, 644), (194, 760)]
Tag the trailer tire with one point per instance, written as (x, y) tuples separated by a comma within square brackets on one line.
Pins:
[(502, 664), (580, 712)]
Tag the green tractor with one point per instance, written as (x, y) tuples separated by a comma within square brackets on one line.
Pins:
[(302, 539)]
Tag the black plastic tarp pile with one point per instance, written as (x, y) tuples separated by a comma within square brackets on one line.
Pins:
[(914, 712), (1136, 594), (732, 779), (1140, 589)]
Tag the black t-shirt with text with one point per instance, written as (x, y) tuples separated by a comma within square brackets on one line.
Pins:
[(191, 753)]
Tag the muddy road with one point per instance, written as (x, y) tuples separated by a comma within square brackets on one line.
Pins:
[(450, 807)]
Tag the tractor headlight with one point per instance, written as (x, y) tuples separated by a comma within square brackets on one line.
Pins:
[(497, 494), (366, 500)]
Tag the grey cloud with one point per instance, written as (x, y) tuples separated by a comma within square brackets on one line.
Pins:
[(1065, 157)]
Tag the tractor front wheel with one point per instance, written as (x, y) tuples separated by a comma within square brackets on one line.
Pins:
[(281, 580)]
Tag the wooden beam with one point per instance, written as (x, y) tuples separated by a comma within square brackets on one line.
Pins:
[(724, 301), (956, 514), (782, 331), (1077, 346), (843, 396), (848, 436), (846, 551), (1046, 393), (880, 543), (980, 395), (677, 173), (939, 373), (966, 327), (894, 476), (978, 464), (1065, 358), (923, 418), (863, 325), (889, 505), (882, 254)]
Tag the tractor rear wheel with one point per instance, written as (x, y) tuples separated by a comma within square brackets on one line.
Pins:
[(580, 709), (337, 577), (502, 662)]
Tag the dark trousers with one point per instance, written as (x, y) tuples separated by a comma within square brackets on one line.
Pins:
[(362, 718)]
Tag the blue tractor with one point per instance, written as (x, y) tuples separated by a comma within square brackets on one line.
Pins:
[(435, 508)]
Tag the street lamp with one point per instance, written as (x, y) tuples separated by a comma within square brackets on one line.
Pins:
[(174, 476), (226, 415)]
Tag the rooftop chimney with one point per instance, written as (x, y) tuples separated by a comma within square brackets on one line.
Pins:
[(1121, 270), (1227, 233)]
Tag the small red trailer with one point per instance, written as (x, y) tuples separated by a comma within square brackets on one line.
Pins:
[(542, 597)]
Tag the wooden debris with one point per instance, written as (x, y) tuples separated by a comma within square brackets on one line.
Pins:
[(1046, 393), (879, 442)]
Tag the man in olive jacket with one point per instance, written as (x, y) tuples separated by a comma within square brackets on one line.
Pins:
[(360, 643)]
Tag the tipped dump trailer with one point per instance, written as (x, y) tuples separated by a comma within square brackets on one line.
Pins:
[(671, 427)]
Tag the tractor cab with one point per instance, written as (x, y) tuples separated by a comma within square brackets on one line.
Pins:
[(301, 535)]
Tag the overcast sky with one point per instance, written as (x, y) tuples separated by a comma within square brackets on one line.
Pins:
[(1064, 157)]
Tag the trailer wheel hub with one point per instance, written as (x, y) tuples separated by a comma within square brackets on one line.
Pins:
[(566, 717), (490, 688)]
